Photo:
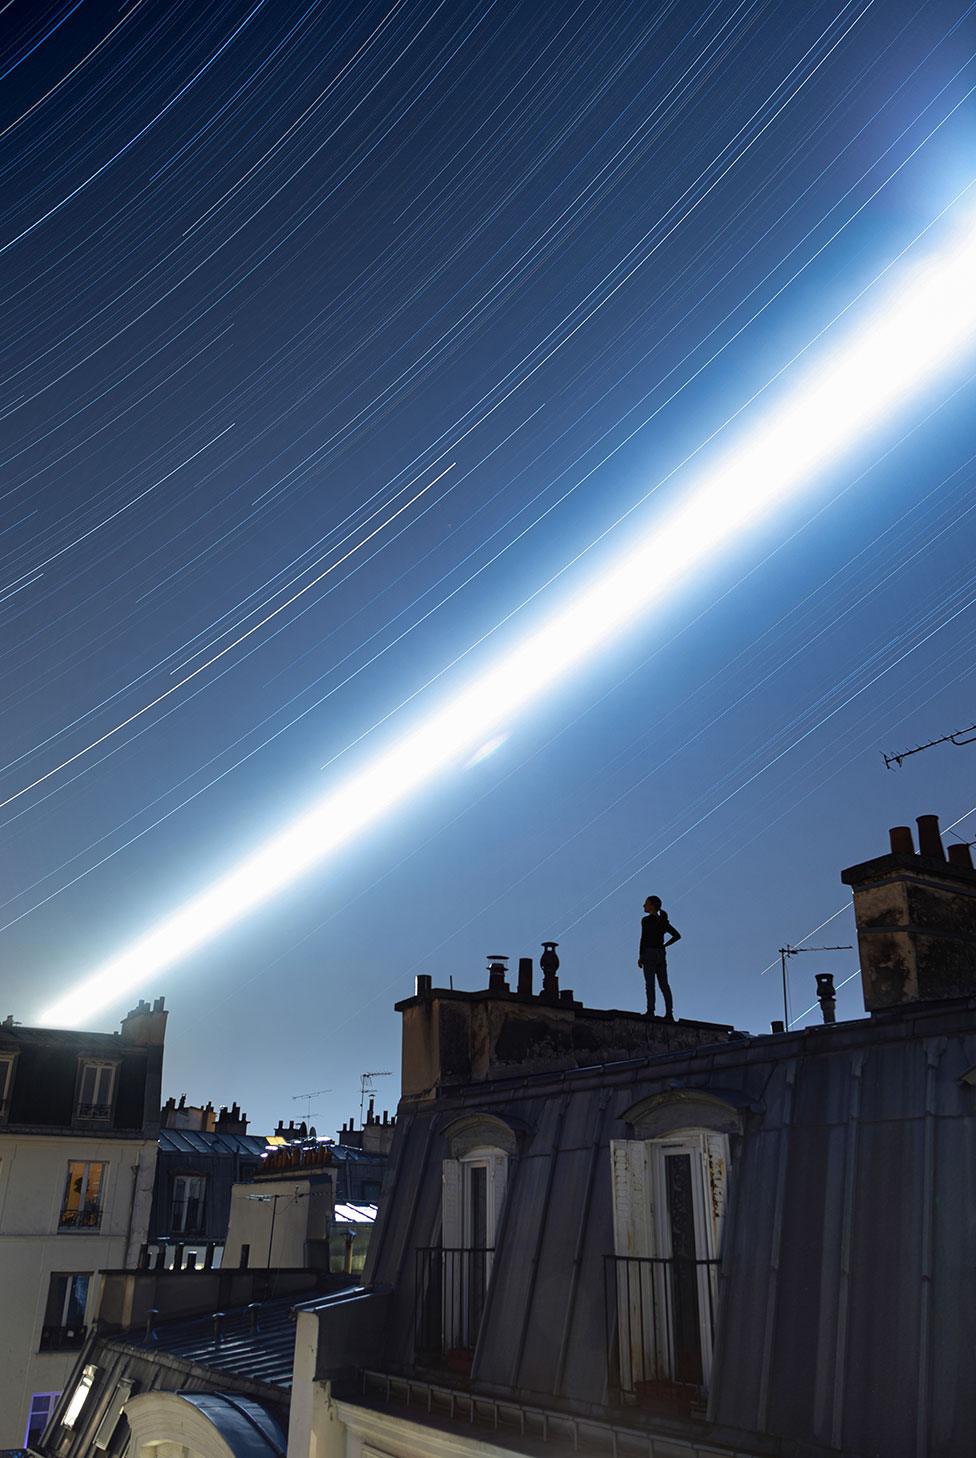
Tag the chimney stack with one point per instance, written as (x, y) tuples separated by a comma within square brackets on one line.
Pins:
[(496, 972), (525, 977), (916, 919), (145, 1024)]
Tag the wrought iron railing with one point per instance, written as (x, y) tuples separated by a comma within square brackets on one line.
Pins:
[(93, 1111), (62, 1338), (452, 1287), (80, 1219), (660, 1327)]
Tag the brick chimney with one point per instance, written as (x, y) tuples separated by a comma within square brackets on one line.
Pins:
[(916, 919)]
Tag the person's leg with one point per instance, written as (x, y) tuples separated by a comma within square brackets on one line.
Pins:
[(649, 987), (662, 977)]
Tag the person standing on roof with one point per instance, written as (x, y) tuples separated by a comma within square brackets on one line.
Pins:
[(657, 934)]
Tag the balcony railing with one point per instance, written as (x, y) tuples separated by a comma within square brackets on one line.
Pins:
[(452, 1287), (80, 1219), (660, 1328), (62, 1338), (93, 1111)]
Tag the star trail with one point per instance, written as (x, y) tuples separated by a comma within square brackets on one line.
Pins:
[(337, 338)]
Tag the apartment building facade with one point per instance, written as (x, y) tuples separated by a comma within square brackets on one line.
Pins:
[(79, 1123)]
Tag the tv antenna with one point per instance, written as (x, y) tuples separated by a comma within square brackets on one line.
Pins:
[(788, 951), (308, 1097), (366, 1087), (957, 737)]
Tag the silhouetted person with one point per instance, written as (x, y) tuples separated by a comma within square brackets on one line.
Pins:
[(657, 933)]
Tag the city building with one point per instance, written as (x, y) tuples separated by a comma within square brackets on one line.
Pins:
[(603, 1234), (202, 1156), (79, 1121)]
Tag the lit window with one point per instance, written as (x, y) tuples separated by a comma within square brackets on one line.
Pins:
[(96, 1089), (79, 1397), (81, 1208), (668, 1208), (41, 1408), (7, 1061), (189, 1193), (64, 1316)]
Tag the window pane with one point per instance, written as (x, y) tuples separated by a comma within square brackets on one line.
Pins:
[(684, 1270), (77, 1300), (73, 1190), (94, 1190), (42, 1405), (478, 1194), (57, 1291), (87, 1095)]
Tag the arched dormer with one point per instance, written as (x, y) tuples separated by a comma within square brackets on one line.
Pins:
[(201, 1425), (670, 1181)]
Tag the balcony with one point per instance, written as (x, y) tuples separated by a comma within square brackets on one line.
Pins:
[(80, 1219), (452, 1287), (62, 1338), (660, 1330)]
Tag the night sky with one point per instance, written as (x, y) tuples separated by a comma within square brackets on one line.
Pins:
[(268, 271)]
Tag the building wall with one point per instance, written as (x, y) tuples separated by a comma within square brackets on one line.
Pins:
[(277, 1220), (33, 1171)]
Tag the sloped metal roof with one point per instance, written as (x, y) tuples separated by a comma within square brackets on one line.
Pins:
[(196, 1141), (246, 1427), (261, 1353), (849, 1239), (346, 1214)]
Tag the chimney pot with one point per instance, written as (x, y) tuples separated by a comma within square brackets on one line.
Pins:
[(826, 996), (525, 977), (902, 840), (777, 1026), (496, 972), (549, 962), (960, 855), (424, 984), (566, 996), (929, 839)]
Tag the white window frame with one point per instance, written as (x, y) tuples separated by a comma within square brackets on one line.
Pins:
[(457, 1233), (103, 1069), (184, 1179), (87, 1163), (51, 1399), (642, 1229)]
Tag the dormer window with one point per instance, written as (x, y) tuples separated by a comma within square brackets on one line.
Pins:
[(454, 1278), (96, 1090)]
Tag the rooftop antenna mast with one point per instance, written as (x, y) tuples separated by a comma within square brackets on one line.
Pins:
[(958, 737), (788, 951), (366, 1087), (308, 1097)]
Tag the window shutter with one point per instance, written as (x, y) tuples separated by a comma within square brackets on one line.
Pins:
[(633, 1210), (498, 1179), (716, 1168), (451, 1226)]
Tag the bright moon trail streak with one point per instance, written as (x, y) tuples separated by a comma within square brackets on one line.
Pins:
[(918, 328)]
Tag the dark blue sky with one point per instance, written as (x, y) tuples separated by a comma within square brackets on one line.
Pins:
[(263, 265)]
